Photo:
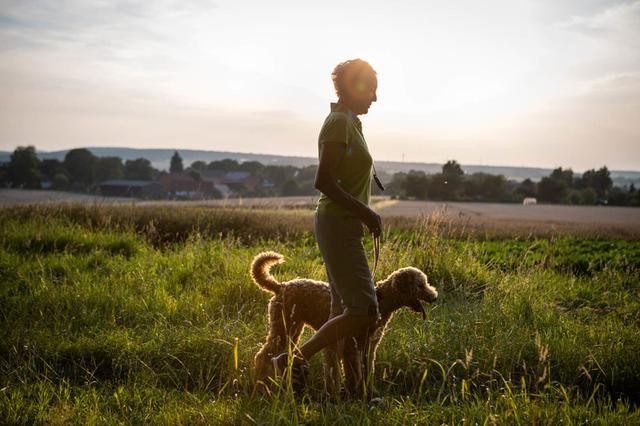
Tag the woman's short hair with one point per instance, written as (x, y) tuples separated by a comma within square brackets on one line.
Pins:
[(347, 72)]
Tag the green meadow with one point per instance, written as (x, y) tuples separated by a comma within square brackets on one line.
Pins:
[(129, 315)]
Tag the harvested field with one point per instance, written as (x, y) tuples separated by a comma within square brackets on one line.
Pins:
[(493, 218), (499, 211), (515, 219), (12, 197)]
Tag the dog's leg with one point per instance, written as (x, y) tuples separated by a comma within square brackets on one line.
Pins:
[(275, 343), (294, 331), (363, 341), (352, 365), (333, 353), (369, 360), (367, 372), (374, 341), (332, 374), (375, 336)]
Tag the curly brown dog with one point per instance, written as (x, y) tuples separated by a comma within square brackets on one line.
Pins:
[(304, 302)]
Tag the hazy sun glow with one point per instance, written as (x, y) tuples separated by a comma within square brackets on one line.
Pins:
[(496, 82)]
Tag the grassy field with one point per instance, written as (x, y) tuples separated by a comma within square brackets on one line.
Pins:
[(123, 314)]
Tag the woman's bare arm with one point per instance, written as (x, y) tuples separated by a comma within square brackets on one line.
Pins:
[(330, 156)]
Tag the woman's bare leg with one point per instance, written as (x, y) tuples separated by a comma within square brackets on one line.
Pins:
[(335, 329)]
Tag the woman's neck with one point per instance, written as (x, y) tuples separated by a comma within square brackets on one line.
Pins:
[(346, 105)]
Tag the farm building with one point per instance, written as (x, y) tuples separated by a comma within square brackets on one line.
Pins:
[(132, 188)]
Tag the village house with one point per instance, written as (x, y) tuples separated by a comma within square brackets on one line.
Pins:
[(231, 183), (184, 185)]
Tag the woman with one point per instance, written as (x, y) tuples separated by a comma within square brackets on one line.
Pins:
[(344, 179)]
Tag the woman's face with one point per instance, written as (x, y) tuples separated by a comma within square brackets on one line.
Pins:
[(361, 94)]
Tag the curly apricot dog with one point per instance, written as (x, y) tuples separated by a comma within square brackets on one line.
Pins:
[(304, 302)]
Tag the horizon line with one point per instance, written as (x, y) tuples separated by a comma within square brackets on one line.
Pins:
[(313, 158)]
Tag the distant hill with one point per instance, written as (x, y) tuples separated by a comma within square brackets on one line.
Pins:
[(160, 159)]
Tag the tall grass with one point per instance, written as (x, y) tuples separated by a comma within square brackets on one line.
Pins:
[(130, 315)]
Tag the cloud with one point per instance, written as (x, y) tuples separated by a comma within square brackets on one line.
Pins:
[(595, 127), (92, 26), (66, 115), (619, 22)]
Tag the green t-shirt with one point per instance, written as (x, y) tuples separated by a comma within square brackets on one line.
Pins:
[(354, 171)]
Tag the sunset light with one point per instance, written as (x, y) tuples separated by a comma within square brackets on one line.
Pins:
[(336, 212), (496, 82)]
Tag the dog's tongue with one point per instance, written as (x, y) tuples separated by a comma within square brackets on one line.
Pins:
[(417, 306)]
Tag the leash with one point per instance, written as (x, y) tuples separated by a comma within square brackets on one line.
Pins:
[(376, 240), (376, 255)]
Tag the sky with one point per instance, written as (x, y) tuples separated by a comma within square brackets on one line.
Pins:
[(513, 82)]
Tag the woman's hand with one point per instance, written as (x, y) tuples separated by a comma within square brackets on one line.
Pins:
[(373, 221)]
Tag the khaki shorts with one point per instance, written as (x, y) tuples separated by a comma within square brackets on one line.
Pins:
[(340, 241)]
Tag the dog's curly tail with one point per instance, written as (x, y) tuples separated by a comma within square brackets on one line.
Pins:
[(260, 270)]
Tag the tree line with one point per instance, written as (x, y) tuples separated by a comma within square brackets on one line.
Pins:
[(82, 171), (562, 186), (79, 171)]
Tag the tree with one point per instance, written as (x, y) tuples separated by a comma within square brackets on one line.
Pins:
[(416, 184), (599, 180), (486, 186), (634, 196), (109, 168), (527, 188), (279, 174), (290, 187), (588, 196), (307, 188), (555, 187), (227, 165), (4, 180), (23, 169), (80, 163), (198, 165), (565, 176), (176, 163), (494, 187), (138, 169), (307, 173), (452, 175), (60, 181), (252, 167), (619, 197), (397, 186), (552, 190), (452, 172), (51, 167), (195, 175)]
